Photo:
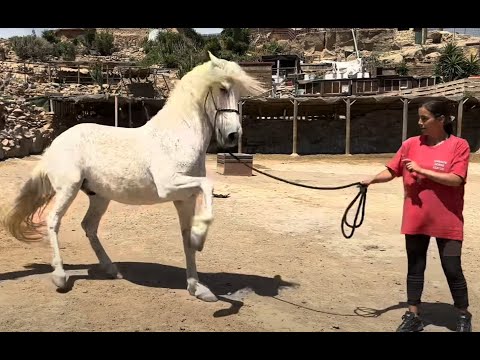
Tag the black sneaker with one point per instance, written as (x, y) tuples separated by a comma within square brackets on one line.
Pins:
[(411, 323), (464, 323)]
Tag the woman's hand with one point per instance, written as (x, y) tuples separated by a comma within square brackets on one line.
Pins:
[(367, 181), (384, 176), (411, 166)]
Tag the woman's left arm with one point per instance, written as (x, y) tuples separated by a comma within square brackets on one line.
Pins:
[(449, 179), (458, 170)]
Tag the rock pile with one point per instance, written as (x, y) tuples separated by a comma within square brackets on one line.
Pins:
[(24, 128)]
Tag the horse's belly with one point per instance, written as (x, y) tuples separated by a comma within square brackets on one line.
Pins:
[(133, 191), (135, 196)]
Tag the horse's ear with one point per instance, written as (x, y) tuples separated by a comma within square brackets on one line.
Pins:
[(214, 59)]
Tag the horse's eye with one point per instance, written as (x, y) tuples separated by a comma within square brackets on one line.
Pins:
[(223, 90)]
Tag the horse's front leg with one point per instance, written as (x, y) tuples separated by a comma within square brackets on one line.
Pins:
[(186, 211), (202, 221)]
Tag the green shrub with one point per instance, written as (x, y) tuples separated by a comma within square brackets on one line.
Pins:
[(103, 43), (31, 47)]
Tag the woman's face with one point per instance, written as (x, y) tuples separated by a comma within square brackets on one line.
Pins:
[(428, 123)]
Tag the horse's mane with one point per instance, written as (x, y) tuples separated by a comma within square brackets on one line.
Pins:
[(192, 89)]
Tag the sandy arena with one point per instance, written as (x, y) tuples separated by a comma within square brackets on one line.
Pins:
[(275, 255)]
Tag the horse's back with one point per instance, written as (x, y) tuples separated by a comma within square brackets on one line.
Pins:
[(88, 138), (113, 161)]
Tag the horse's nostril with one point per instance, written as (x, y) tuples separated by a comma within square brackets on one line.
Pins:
[(233, 136)]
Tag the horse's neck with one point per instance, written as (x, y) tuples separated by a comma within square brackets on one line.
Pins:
[(190, 127)]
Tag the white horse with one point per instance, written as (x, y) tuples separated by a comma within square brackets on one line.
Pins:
[(162, 161)]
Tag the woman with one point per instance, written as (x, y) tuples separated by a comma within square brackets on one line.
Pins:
[(434, 169)]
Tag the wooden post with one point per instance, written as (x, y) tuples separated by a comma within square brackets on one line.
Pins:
[(130, 112), (116, 110), (51, 105), (295, 128), (78, 74), (347, 125), (405, 119), (424, 35), (240, 116), (460, 117)]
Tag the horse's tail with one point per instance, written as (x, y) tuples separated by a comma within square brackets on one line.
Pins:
[(35, 194)]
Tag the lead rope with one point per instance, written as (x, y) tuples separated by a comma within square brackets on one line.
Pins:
[(361, 196)]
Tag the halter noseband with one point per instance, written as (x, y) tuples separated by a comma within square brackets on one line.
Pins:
[(217, 110)]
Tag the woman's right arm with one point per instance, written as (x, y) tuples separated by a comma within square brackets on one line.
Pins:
[(382, 177), (393, 169)]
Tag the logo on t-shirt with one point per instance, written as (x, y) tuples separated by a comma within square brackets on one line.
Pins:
[(439, 165)]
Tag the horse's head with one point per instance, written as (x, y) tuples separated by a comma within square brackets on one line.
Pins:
[(214, 89), (230, 83)]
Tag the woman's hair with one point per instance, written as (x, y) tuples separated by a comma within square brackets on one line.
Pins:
[(439, 108)]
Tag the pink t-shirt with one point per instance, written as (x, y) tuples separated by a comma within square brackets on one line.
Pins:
[(431, 208)]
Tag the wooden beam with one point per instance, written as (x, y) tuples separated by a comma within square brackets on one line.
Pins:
[(295, 128), (240, 115), (460, 117), (348, 125), (405, 119), (116, 111), (130, 124)]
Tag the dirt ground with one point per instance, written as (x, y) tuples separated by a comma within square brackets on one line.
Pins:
[(275, 255)]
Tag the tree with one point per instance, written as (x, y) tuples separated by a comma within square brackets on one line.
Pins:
[(174, 51), (236, 40)]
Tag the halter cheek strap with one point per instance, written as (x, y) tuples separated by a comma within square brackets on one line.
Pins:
[(217, 110)]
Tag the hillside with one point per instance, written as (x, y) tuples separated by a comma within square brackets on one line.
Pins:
[(388, 47)]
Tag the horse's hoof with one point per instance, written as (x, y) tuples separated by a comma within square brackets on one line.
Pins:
[(60, 280), (112, 271), (204, 293), (207, 297)]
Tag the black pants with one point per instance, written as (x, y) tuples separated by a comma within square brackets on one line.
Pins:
[(450, 256)]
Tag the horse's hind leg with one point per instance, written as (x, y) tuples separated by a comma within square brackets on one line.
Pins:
[(98, 206), (186, 211), (63, 199)]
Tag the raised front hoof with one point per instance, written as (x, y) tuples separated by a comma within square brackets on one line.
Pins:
[(203, 293), (60, 281)]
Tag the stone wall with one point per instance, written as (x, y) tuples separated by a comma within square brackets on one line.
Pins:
[(25, 129), (367, 39), (377, 131)]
